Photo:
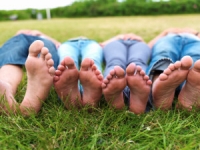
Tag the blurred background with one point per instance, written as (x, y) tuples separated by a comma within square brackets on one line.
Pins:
[(46, 9)]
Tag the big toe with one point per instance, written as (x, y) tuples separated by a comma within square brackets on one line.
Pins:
[(186, 62), (69, 62), (130, 70), (86, 64), (119, 72), (35, 48)]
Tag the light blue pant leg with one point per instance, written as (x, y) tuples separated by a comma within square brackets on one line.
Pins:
[(115, 54), (168, 49), (191, 47), (69, 49), (91, 49), (139, 53)]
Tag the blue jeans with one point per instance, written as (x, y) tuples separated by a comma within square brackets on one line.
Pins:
[(122, 53), (172, 48), (15, 50), (80, 49)]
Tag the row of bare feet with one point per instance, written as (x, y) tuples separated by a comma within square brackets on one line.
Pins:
[(66, 85), (42, 75)]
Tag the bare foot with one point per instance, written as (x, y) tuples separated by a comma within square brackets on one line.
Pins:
[(66, 83), (139, 85), (190, 93), (91, 80), (40, 73), (113, 86), (164, 87)]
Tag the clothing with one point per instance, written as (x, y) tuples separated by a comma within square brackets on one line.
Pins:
[(122, 53), (170, 49), (15, 51), (79, 49)]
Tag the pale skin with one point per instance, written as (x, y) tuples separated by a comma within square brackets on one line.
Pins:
[(135, 78), (165, 84), (66, 83), (40, 72)]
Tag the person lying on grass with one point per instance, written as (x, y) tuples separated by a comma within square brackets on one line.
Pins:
[(125, 82), (172, 69), (38, 53), (78, 77)]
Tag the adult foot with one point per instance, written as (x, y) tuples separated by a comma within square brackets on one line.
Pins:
[(91, 80), (113, 86), (164, 86), (66, 83), (40, 73), (190, 93), (139, 85)]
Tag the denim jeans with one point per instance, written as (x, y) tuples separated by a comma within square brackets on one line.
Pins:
[(172, 48), (15, 50), (122, 53), (79, 49)]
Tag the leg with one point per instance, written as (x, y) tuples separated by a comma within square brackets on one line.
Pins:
[(40, 73), (91, 79), (139, 54), (67, 75), (13, 55), (90, 72), (92, 50), (10, 78), (139, 85), (189, 95), (66, 83), (167, 50), (115, 54), (164, 86)]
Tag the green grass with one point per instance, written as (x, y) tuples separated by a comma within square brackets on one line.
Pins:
[(57, 128)]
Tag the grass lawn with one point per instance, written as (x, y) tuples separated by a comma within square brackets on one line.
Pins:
[(57, 128)]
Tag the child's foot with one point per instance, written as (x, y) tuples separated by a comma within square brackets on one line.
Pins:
[(66, 83), (190, 93), (91, 80), (113, 86), (139, 85), (40, 73), (165, 85)]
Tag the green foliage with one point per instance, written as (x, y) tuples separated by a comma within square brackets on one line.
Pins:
[(94, 8)]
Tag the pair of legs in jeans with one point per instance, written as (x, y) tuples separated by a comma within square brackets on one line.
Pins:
[(39, 63), (125, 81), (173, 71), (79, 88)]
